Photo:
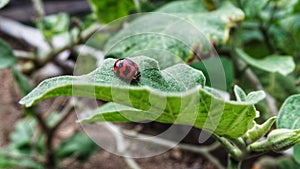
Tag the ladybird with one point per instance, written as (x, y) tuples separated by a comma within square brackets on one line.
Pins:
[(127, 70)]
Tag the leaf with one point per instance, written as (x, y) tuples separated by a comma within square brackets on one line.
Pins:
[(289, 117), (3, 3), (54, 24), (297, 153), (22, 81), (287, 163), (79, 145), (274, 63), (189, 29), (21, 137), (254, 97), (109, 10), (171, 95), (239, 93), (215, 75), (7, 58), (289, 113), (253, 8)]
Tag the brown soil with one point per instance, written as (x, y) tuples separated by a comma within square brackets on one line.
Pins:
[(10, 110)]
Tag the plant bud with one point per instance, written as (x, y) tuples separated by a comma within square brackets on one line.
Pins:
[(278, 140), (258, 131)]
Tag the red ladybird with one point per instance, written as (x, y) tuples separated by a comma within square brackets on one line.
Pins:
[(127, 70)]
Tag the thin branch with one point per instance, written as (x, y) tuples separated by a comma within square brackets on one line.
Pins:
[(233, 151), (65, 113), (137, 5), (121, 148), (203, 150), (39, 8), (24, 55), (25, 33)]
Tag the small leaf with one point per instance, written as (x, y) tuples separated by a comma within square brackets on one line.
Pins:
[(109, 10), (54, 24), (79, 145), (21, 137), (3, 3), (171, 95), (239, 93), (7, 58), (258, 131), (256, 96), (22, 81), (281, 64)]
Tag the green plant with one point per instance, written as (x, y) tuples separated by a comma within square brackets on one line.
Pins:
[(252, 38)]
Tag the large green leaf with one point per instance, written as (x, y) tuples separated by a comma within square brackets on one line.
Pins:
[(177, 37), (109, 10), (289, 117), (168, 96), (274, 63), (7, 58)]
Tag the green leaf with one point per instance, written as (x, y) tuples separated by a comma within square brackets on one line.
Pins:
[(253, 8), (239, 93), (79, 145), (274, 63), (289, 116), (109, 10), (252, 97), (21, 137), (22, 81), (289, 113), (213, 74), (189, 29), (3, 3), (256, 96), (54, 24), (287, 163), (7, 58), (297, 153), (171, 95)]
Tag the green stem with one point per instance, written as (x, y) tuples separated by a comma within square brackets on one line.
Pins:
[(233, 164), (232, 150)]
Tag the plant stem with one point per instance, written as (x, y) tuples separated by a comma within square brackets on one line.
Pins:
[(50, 155), (233, 164), (121, 147), (203, 150), (39, 9)]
